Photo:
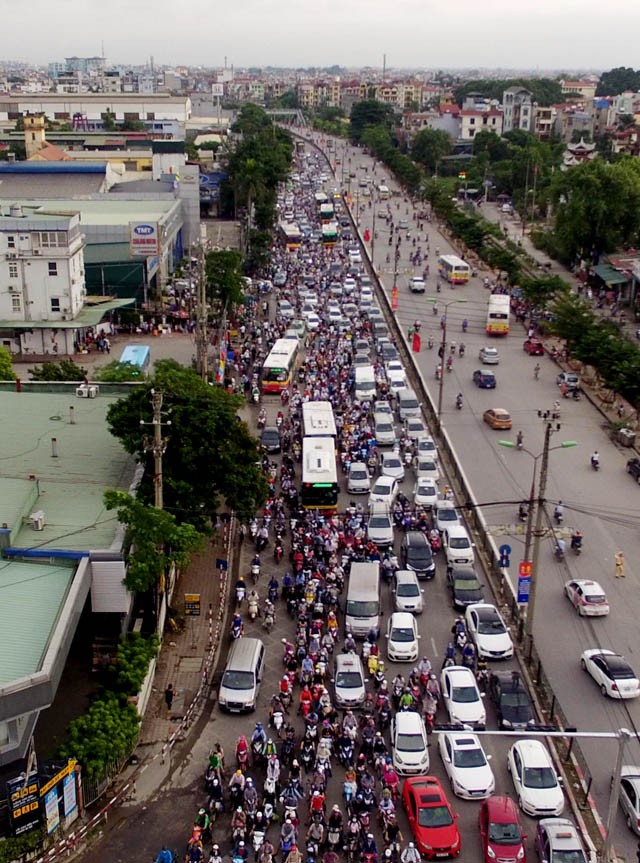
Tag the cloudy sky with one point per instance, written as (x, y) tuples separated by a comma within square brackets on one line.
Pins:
[(557, 34)]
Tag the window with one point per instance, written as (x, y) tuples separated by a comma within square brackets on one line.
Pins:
[(16, 304), (55, 304), (50, 240), (13, 271), (11, 242), (53, 268)]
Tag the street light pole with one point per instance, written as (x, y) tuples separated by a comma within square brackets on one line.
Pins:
[(537, 532), (443, 351), (373, 240)]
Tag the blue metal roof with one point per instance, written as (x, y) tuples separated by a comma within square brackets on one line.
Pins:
[(53, 168)]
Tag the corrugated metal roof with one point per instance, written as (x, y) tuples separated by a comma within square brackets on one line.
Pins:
[(31, 596)]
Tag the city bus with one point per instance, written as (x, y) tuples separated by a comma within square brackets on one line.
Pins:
[(137, 356), (498, 315), (291, 235), (321, 198), (383, 193), (454, 269), (318, 420), (330, 234), (279, 367), (319, 474), (326, 212)]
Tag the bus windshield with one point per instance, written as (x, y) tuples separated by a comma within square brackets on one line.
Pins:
[(319, 474)]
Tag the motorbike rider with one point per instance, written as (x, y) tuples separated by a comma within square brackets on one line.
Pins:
[(576, 540), (595, 459), (523, 512), (369, 845), (236, 625), (259, 734), (239, 822), (558, 510), (519, 440), (215, 856), (459, 398), (410, 854), (560, 546), (433, 687), (165, 856)]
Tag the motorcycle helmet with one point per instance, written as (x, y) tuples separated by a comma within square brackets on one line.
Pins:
[(432, 677), (202, 811), (249, 781), (215, 848), (241, 844)]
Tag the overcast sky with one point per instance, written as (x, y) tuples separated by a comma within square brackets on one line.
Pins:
[(557, 34)]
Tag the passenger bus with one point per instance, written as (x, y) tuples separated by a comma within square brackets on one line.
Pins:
[(383, 193), (326, 212), (319, 474), (329, 234), (291, 235), (138, 356), (454, 269), (318, 420), (498, 315), (321, 198), (279, 367)]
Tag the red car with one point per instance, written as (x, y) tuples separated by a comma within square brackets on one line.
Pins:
[(533, 347), (501, 831), (431, 818)]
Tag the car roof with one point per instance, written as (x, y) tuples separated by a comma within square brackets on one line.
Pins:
[(359, 464), (403, 618), (458, 672), (463, 740), (502, 810), (408, 720), (562, 833), (414, 537), (406, 575), (534, 752), (427, 789), (348, 660)]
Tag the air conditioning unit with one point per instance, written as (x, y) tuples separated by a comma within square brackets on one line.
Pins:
[(37, 251), (14, 289), (36, 519), (12, 255), (87, 391)]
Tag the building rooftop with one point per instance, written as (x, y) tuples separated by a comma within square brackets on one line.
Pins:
[(105, 210), (68, 488)]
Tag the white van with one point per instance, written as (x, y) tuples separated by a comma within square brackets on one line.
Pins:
[(365, 383), (242, 676), (362, 611), (407, 404)]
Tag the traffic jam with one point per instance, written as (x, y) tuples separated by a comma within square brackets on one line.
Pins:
[(369, 667)]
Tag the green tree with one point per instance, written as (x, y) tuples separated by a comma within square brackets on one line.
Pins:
[(288, 101), (225, 281), (62, 370), (617, 80), (429, 146), (117, 372), (210, 451), (6, 368), (541, 292), (156, 540), (488, 142), (369, 113), (109, 121)]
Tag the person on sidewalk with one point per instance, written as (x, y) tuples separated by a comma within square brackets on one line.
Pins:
[(619, 557), (168, 697)]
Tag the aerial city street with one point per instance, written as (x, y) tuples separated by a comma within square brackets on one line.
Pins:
[(320, 379)]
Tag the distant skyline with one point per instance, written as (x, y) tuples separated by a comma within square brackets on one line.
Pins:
[(545, 34)]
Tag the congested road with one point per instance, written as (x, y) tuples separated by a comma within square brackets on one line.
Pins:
[(602, 505)]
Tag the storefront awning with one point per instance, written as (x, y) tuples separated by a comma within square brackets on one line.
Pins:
[(611, 276), (90, 316)]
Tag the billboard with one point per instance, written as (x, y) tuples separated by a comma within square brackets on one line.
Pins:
[(217, 90), (144, 239), (24, 803)]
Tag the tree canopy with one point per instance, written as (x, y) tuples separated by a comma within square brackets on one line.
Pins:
[(225, 281), (63, 370), (6, 368), (210, 452), (370, 112), (617, 80), (429, 146)]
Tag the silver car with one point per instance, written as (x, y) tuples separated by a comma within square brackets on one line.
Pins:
[(358, 481), (407, 593), (349, 680)]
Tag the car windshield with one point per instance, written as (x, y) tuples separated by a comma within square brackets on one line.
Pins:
[(379, 522), (514, 699), (491, 625), (426, 489), (434, 816), (466, 585), (402, 634), (382, 488), (384, 427), (447, 515), (505, 834), (419, 557), (408, 589), (464, 694), (459, 542), (360, 473), (469, 758), (410, 742), (237, 680), (570, 855), (365, 608), (539, 777), (392, 462), (349, 680)]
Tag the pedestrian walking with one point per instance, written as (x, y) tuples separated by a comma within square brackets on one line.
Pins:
[(619, 564), (168, 696)]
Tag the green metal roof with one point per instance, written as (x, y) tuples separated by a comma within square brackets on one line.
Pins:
[(610, 275), (31, 595), (90, 316)]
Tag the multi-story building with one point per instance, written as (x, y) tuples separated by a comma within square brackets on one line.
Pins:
[(544, 118), (573, 121), (472, 122), (517, 109), (578, 91)]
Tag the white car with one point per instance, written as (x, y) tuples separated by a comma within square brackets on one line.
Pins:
[(402, 637), (534, 779), (587, 597), (349, 681), (380, 526), (397, 381), (334, 316), (425, 493), (488, 631), (457, 545), (286, 310), (611, 672), (426, 468), (394, 366), (446, 515), (467, 765), (407, 593), (427, 446), (349, 285), (358, 481), (384, 491), (416, 429), (313, 321), (417, 285), (489, 356), (383, 407), (384, 430), (462, 697), (391, 465), (409, 743)]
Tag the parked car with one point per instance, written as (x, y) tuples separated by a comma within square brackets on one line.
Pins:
[(633, 468)]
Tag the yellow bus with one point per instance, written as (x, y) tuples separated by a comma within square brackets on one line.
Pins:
[(454, 269)]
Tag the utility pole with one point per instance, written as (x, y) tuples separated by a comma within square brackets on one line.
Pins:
[(537, 531), (623, 736), (156, 445), (202, 359)]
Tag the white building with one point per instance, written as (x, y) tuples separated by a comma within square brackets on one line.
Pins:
[(517, 110)]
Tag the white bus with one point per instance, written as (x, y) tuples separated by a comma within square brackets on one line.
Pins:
[(498, 315), (291, 235), (383, 193), (454, 269), (319, 474), (279, 367), (318, 420)]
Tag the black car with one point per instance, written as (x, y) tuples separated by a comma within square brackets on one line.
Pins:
[(416, 554), (513, 705), (464, 586), (270, 439), (633, 467)]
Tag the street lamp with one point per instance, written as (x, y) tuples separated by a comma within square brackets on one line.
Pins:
[(443, 348), (534, 541)]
